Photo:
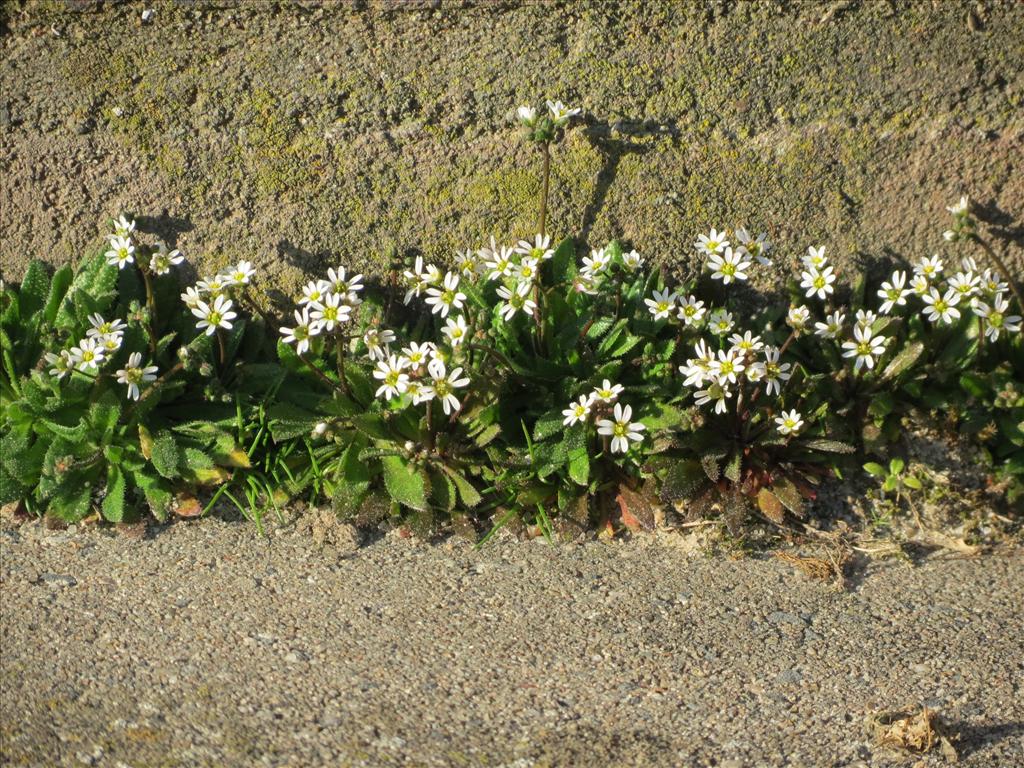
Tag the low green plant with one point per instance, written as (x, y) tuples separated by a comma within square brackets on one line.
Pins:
[(111, 399), (519, 381), (894, 480)]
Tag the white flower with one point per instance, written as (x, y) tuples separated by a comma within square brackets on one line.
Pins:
[(445, 384), (319, 429), (607, 392), (214, 286), (213, 316), (376, 342), (691, 311), (698, 368), (727, 367), (419, 392), (815, 258), (992, 283), (757, 247), (771, 371), (516, 299), (818, 281), (500, 264), (968, 264), (832, 327), (418, 354), (102, 328), (729, 266), (745, 343), (864, 348), (789, 422), (996, 318), (949, 235), (584, 284), (577, 411), (538, 250), (893, 292), (526, 271), (865, 318), (241, 273), (942, 307), (304, 330), (340, 283), (919, 285), (330, 312), (465, 263), (798, 318), (561, 114), (455, 330), (111, 342), (662, 304), (621, 429), (313, 292), (88, 354), (596, 264), (415, 279), (391, 373), (527, 115), (632, 260), (192, 297), (135, 373), (123, 226), (961, 207), (62, 364), (121, 252), (720, 322), (965, 283), (716, 392), (930, 268), (162, 260), (711, 243)]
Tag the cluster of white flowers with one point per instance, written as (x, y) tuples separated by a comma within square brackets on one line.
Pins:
[(123, 250), (558, 112), (421, 373), (210, 299), (620, 428), (101, 343), (730, 255), (326, 305)]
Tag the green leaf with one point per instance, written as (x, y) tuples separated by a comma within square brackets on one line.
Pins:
[(548, 424), (71, 501), (288, 421), (113, 506), (165, 456), (896, 466), (406, 484), (828, 446), (903, 361), (469, 495), (578, 456), (732, 469), (875, 469), (58, 290), (912, 482), (683, 480), (563, 262), (35, 286)]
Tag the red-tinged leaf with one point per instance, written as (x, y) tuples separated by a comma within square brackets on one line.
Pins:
[(187, 505), (637, 512), (770, 505)]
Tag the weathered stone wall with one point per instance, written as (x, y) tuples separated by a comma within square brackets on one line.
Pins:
[(295, 135)]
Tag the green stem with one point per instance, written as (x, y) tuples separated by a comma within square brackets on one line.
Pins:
[(1002, 267), (340, 352), (544, 188), (156, 386), (150, 307), (320, 374), (221, 347)]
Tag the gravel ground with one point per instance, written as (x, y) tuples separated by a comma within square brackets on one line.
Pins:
[(206, 644)]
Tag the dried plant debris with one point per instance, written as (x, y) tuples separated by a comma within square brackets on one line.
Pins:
[(915, 730), (830, 567)]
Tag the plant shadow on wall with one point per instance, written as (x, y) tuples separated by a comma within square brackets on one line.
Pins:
[(519, 383)]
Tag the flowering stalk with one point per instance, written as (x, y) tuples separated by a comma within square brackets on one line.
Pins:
[(546, 173), (990, 252)]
